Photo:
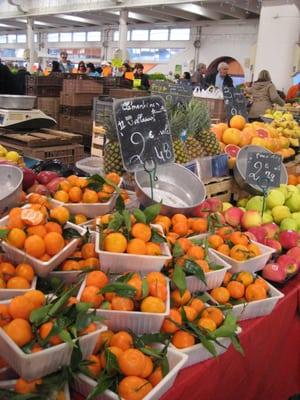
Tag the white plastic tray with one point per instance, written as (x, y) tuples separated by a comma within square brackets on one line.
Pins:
[(198, 352), (41, 268), (213, 278), (84, 385), (136, 321), (252, 265), (123, 262), (10, 293), (10, 384), (42, 363), (90, 210)]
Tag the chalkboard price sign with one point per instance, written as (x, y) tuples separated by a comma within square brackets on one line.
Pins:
[(143, 131), (263, 169), (172, 92), (235, 103)]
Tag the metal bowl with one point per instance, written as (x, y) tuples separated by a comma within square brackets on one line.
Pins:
[(17, 102), (180, 190), (240, 169), (10, 187)]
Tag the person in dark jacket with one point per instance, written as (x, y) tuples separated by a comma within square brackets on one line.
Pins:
[(21, 80), (8, 83), (220, 79), (198, 78), (139, 74)]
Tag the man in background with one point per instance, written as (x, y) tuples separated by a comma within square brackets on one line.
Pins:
[(220, 79), (198, 78), (65, 65)]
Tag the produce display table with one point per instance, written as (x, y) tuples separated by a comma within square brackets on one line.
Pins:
[(270, 368)]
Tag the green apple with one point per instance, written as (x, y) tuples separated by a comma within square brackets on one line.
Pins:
[(275, 198), (266, 218), (255, 203), (242, 202), (283, 189), (279, 213), (298, 187), (288, 224), (226, 206), (296, 217), (293, 202)]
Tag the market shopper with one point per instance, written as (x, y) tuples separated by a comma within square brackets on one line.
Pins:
[(139, 75), (198, 77), (264, 94), (186, 77), (81, 68), (55, 68), (220, 79), (293, 93), (8, 83), (127, 71), (65, 65), (21, 80), (91, 70), (106, 69)]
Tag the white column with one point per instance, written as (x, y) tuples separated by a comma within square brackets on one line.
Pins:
[(278, 32), (30, 43), (123, 32)]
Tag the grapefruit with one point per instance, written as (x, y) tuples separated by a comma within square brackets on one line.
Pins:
[(231, 150), (218, 129), (237, 122), (231, 136), (262, 133)]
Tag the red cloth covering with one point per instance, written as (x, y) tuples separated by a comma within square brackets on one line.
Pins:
[(270, 369)]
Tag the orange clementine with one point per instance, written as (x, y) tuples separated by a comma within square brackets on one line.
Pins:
[(24, 387), (44, 332), (213, 313), (20, 307), (182, 339), (132, 362), (122, 339), (36, 297), (156, 277), (190, 313), (215, 241), (197, 304), (136, 246), (5, 316), (200, 225), (94, 368), (136, 282), (75, 195), (117, 351), (263, 283), (70, 265), (65, 186), (224, 249), (181, 228), (184, 243), (18, 282), (16, 237), (39, 230), (207, 323), (103, 340), (236, 289), (158, 289), (153, 249), (239, 238), (115, 243), (60, 214), (14, 219), (196, 252), (88, 250), (80, 219), (134, 388), (239, 252), (7, 271), (203, 265), (225, 232), (26, 271), (35, 246), (90, 196), (113, 177), (245, 278), (53, 227), (61, 196), (156, 376), (221, 295), (148, 367), (97, 278), (170, 327), (91, 295), (179, 300), (122, 303), (254, 250), (153, 304), (227, 278), (255, 292), (54, 243), (19, 330), (177, 218)]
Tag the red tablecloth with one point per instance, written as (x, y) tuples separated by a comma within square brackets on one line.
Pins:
[(270, 369)]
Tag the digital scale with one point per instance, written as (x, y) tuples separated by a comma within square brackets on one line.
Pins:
[(17, 113)]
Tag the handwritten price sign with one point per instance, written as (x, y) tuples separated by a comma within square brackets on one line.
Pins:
[(263, 169), (143, 132)]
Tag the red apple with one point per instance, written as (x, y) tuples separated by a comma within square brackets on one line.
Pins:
[(274, 244), (289, 239), (289, 263), (272, 230), (215, 204), (295, 252), (233, 216), (259, 232), (274, 272), (250, 219), (203, 210)]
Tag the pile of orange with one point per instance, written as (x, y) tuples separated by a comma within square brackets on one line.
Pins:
[(76, 189), (181, 226), (197, 312), (138, 243), (234, 244), (293, 179), (25, 387), (15, 321), (84, 257), (139, 373), (153, 301), (240, 288), (15, 277)]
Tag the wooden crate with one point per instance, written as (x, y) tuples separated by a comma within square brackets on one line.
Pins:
[(76, 100), (49, 105), (76, 111), (127, 93), (44, 86), (82, 125), (220, 188), (80, 85), (98, 141), (215, 107)]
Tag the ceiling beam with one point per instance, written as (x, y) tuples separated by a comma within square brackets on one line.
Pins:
[(252, 6), (227, 9), (155, 14), (198, 10), (176, 13)]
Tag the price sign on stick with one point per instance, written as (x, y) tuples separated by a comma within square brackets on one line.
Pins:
[(235, 103), (143, 131), (263, 170)]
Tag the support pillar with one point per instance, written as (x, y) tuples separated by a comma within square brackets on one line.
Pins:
[(123, 32), (278, 33), (30, 43)]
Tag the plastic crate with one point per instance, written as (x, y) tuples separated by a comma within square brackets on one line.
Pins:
[(10, 293), (91, 165), (102, 109)]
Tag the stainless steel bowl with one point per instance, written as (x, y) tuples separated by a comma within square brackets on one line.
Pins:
[(180, 190), (10, 187), (240, 169), (17, 102)]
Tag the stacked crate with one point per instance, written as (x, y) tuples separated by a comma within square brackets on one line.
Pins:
[(102, 109), (76, 103)]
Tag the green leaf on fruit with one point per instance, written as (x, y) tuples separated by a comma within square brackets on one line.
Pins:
[(116, 222), (179, 279), (121, 289), (139, 215), (177, 250), (152, 212), (192, 268), (157, 237)]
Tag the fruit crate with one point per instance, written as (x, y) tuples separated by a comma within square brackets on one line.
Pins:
[(81, 84), (215, 107), (43, 91), (102, 109), (49, 105), (115, 82), (220, 188), (121, 93), (35, 80), (82, 125), (76, 111), (76, 99)]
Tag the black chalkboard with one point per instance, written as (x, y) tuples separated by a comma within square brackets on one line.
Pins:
[(173, 92), (263, 169), (235, 103), (143, 131)]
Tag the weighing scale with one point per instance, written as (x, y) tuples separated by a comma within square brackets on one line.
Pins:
[(17, 113)]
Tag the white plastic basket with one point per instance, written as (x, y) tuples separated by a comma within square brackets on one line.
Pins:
[(252, 265), (42, 268), (10, 293), (213, 278), (258, 308), (84, 385), (133, 201), (123, 262), (42, 363), (90, 210), (10, 385), (91, 165), (198, 352), (136, 321)]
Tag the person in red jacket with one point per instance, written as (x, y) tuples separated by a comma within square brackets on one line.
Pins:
[(293, 93)]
